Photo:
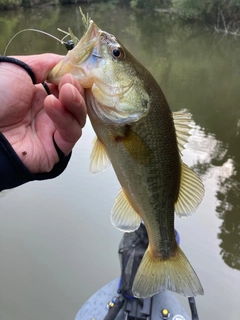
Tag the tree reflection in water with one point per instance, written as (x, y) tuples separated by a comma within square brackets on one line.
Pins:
[(228, 211), (228, 195)]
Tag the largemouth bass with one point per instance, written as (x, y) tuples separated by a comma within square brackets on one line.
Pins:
[(137, 132)]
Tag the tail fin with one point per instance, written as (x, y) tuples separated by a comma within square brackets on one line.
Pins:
[(176, 274)]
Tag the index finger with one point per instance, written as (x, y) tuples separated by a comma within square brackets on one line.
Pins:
[(41, 64)]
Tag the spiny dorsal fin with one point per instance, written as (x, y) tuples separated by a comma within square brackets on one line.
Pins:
[(182, 120), (99, 160), (191, 192), (123, 216)]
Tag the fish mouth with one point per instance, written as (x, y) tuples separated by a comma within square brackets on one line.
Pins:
[(74, 61)]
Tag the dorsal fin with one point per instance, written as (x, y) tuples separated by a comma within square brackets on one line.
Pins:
[(191, 192), (123, 216), (99, 160), (182, 120)]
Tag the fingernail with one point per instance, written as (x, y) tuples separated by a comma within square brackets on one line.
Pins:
[(52, 99)]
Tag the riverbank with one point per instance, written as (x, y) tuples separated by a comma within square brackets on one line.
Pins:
[(223, 15)]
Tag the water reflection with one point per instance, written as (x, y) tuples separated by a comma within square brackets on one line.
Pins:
[(228, 193), (197, 71), (230, 228)]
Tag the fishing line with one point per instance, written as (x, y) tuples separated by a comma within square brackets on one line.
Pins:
[(20, 64), (35, 30), (69, 45), (26, 68)]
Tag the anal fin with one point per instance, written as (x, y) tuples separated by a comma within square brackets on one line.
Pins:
[(123, 216)]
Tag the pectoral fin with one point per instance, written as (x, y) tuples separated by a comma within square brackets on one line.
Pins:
[(190, 193), (123, 216), (99, 160), (136, 147)]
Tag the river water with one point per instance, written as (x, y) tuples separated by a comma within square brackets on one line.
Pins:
[(57, 245)]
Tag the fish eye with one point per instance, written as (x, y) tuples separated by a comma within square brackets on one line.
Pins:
[(117, 53)]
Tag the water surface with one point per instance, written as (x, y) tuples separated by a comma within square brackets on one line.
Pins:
[(57, 245)]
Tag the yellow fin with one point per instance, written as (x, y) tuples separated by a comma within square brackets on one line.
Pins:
[(136, 147), (123, 216), (176, 274), (191, 192), (182, 120), (99, 160)]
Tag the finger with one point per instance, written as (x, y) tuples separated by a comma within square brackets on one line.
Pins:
[(41, 64), (73, 101), (68, 78), (68, 128)]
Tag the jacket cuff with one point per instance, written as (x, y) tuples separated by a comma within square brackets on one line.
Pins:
[(14, 173)]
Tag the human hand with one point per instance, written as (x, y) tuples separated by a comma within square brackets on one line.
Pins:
[(29, 119)]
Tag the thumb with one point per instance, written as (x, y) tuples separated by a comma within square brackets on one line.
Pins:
[(41, 64)]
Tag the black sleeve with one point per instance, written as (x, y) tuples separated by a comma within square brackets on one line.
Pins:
[(13, 172)]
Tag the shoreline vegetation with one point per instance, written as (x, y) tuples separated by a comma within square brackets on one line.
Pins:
[(224, 15)]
